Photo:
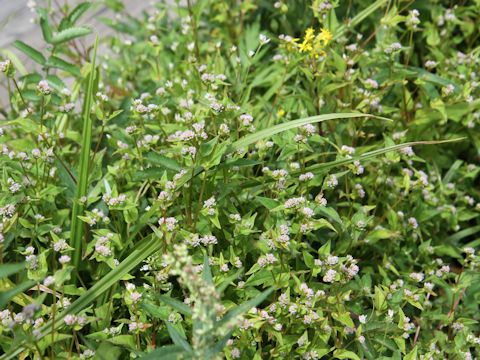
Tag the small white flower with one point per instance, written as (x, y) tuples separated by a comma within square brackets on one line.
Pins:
[(264, 39), (44, 88), (64, 259)]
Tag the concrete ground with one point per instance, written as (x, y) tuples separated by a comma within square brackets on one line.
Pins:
[(15, 19), (16, 24)]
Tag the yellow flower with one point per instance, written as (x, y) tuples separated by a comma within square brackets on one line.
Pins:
[(306, 45), (320, 42), (280, 113), (325, 37), (315, 44)]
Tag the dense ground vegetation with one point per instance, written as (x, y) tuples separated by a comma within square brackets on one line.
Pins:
[(243, 180)]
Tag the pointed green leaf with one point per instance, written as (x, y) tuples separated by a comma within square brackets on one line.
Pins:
[(70, 34), (10, 269), (168, 352), (33, 54), (177, 338), (244, 307), (58, 63), (177, 305)]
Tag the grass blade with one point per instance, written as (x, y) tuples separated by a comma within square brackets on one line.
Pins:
[(76, 231), (5, 296), (265, 133), (357, 19), (181, 307), (322, 168), (10, 269), (177, 338), (244, 307), (326, 166), (167, 352), (142, 250)]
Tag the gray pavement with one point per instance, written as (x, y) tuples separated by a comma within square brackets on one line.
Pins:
[(16, 24)]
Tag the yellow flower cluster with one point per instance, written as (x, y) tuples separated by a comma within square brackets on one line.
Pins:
[(315, 44)]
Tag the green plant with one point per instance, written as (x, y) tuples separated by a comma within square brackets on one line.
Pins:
[(234, 183)]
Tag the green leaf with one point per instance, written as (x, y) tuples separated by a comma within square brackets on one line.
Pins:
[(266, 133), (267, 202), (78, 11), (379, 300), (412, 355), (58, 63), (46, 29), (207, 272), (168, 352), (33, 54), (5, 296), (76, 231), (308, 259), (10, 269), (127, 341), (163, 161), (462, 234), (244, 307), (70, 34), (344, 318), (358, 18), (345, 354), (176, 304), (141, 251), (178, 339), (227, 281), (155, 311)]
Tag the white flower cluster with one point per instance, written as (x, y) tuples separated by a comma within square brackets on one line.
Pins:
[(31, 258), (103, 246), (209, 205), (305, 177), (294, 202), (337, 269), (198, 132), (60, 245), (13, 186), (305, 132), (246, 121), (331, 181), (132, 294), (169, 222), (393, 48), (114, 200), (412, 19), (268, 259), (206, 240), (95, 216), (5, 65), (73, 320), (44, 88)]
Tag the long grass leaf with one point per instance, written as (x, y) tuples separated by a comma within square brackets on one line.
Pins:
[(76, 231), (5, 296), (357, 19), (10, 269), (177, 338), (265, 133), (142, 250), (244, 307), (168, 352), (322, 168), (181, 307)]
